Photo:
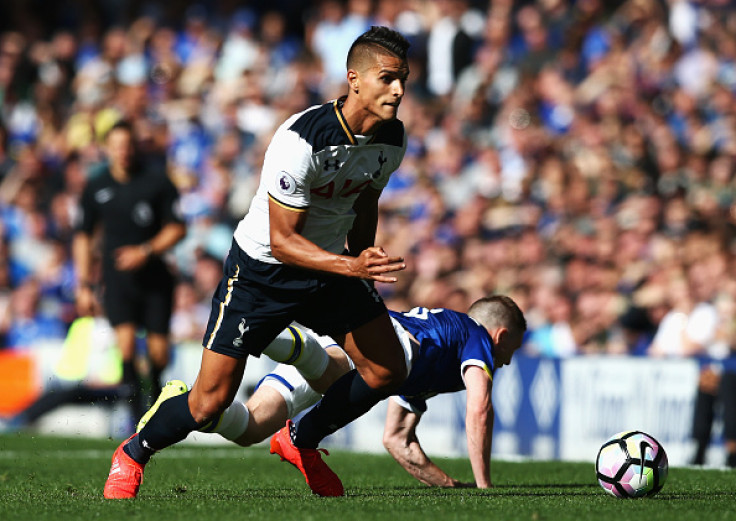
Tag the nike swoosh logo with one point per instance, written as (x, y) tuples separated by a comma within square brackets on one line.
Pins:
[(643, 445)]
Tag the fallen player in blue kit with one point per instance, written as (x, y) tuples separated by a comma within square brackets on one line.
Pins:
[(445, 351)]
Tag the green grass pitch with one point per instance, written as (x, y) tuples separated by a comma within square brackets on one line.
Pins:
[(58, 479)]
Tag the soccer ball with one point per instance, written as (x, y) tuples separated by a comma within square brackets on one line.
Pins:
[(631, 464)]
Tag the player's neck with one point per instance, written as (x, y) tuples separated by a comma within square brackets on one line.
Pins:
[(360, 121)]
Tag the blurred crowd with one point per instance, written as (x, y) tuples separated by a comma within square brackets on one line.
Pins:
[(577, 155)]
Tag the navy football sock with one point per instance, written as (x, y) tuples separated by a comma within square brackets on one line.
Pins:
[(346, 399), (172, 423)]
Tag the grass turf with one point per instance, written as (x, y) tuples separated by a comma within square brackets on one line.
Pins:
[(55, 479)]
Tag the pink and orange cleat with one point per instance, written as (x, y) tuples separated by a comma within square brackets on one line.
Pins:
[(320, 478), (125, 476)]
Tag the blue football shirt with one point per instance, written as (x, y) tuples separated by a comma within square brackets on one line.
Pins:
[(448, 342)]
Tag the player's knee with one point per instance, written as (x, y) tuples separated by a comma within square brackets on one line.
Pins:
[(338, 365), (206, 406), (387, 375), (385, 378)]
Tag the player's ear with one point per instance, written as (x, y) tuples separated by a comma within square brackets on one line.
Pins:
[(499, 335), (353, 80)]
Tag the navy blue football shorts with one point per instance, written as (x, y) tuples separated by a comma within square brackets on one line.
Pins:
[(255, 301)]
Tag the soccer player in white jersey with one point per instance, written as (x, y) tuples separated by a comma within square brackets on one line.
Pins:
[(321, 179), (445, 351)]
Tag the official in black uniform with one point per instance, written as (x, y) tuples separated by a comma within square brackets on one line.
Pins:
[(134, 205)]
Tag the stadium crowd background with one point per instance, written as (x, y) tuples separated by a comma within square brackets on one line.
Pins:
[(576, 155)]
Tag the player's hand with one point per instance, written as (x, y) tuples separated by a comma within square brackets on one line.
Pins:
[(86, 302), (128, 258), (374, 263)]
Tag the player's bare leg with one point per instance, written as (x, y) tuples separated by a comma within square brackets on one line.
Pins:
[(381, 367), (273, 403), (268, 413), (377, 354), (339, 365), (216, 385), (268, 408), (379, 357)]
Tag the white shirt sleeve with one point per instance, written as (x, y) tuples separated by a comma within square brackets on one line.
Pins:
[(288, 169)]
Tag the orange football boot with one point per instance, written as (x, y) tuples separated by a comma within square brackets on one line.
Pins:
[(320, 478), (125, 476)]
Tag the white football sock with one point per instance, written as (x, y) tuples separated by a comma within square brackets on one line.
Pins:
[(233, 421), (298, 347)]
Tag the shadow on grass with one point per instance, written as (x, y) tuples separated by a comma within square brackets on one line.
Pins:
[(498, 491)]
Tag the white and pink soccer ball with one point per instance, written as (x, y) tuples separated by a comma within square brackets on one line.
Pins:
[(631, 464)]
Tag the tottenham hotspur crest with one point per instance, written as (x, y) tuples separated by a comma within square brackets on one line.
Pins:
[(243, 329), (381, 161)]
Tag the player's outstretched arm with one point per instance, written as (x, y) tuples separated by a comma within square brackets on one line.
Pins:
[(292, 248), (479, 424), (400, 440)]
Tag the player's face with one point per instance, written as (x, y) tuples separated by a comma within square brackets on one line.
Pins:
[(381, 86), (120, 148)]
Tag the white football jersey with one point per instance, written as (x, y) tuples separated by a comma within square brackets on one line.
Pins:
[(316, 164)]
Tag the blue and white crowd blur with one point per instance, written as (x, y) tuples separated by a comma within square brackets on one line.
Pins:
[(577, 155)]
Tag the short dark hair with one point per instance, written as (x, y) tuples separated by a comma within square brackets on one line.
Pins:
[(498, 311), (381, 39), (122, 124)]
